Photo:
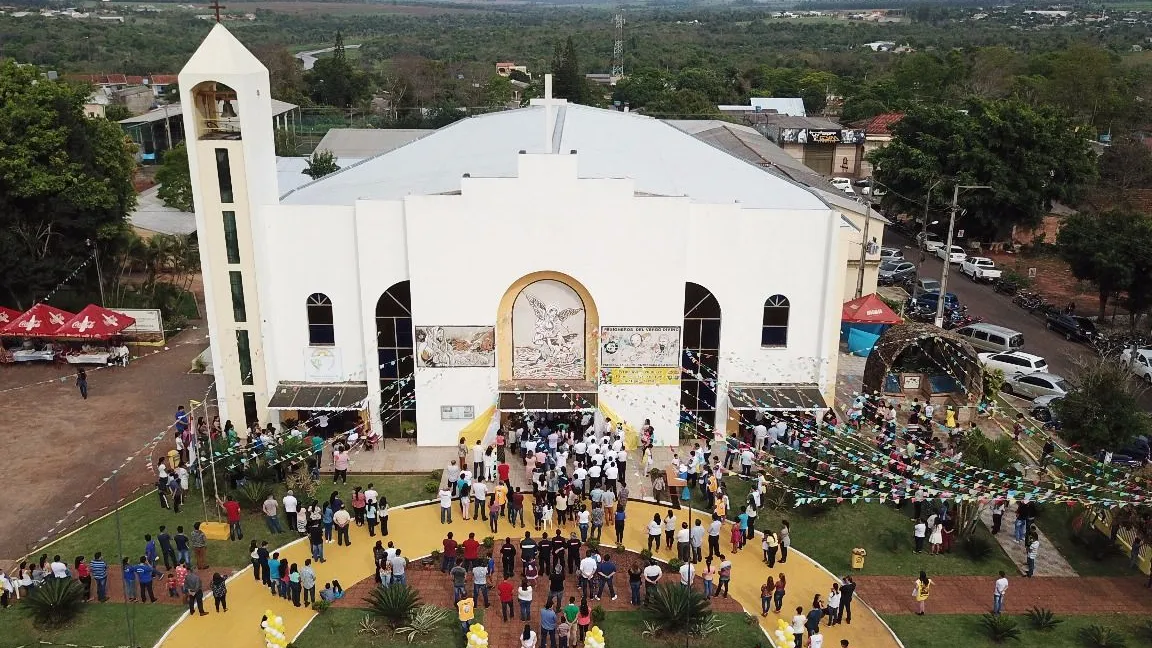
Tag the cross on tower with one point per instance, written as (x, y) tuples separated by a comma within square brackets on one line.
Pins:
[(216, 6)]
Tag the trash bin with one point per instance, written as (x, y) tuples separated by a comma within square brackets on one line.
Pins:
[(858, 558)]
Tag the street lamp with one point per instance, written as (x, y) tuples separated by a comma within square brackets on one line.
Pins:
[(948, 250), (924, 223)]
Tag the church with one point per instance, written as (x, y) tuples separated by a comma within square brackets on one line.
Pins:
[(554, 258)]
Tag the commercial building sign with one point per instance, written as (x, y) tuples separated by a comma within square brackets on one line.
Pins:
[(820, 136)]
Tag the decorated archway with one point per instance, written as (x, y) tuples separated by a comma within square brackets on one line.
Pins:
[(547, 328)]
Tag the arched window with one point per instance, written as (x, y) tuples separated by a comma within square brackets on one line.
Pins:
[(701, 358), (321, 325), (395, 352), (775, 331)]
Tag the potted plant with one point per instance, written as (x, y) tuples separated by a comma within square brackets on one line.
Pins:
[(432, 559)]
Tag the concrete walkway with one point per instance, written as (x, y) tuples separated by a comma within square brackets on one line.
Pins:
[(1049, 562), (973, 595)]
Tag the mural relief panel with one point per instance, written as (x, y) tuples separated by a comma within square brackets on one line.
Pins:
[(455, 346), (548, 329)]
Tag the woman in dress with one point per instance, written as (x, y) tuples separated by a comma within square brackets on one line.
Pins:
[(920, 592), (936, 539)]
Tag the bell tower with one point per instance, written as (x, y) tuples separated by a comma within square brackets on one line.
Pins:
[(227, 108)]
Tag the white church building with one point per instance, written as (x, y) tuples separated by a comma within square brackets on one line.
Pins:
[(552, 258)]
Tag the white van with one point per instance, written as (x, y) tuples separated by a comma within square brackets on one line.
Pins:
[(989, 337)]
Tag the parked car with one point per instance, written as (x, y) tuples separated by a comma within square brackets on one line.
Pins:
[(891, 254), (1013, 362), (925, 286), (1035, 384), (1074, 328), (990, 337), (957, 255), (843, 184), (894, 272), (980, 269), (928, 300), (1141, 365), (864, 188), (1042, 408), (929, 242)]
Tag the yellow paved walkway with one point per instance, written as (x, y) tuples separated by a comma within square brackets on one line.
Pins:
[(417, 532)]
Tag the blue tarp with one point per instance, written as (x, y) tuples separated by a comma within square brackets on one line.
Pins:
[(861, 337)]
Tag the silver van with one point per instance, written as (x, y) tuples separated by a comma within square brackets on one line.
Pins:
[(989, 337)]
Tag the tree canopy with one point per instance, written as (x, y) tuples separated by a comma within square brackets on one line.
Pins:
[(567, 81), (1102, 413), (175, 179), (1029, 156), (320, 164), (65, 180), (1112, 250), (334, 81)]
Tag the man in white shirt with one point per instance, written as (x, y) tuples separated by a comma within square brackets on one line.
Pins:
[(479, 493), (714, 537), (652, 574), (746, 458), (399, 568), (683, 550), (290, 505), (587, 573), (816, 640), (696, 539), (371, 494), (445, 496), (611, 473), (478, 459), (798, 620), (760, 433), (998, 594), (918, 533), (687, 573), (58, 569)]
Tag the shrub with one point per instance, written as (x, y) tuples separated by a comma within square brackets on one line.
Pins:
[(395, 604), (301, 483), (320, 607), (368, 626), (646, 554), (1100, 636), (1043, 619), (977, 548), (253, 493), (707, 626), (599, 614), (594, 544), (56, 602), (436, 475), (425, 620), (675, 564), (489, 542), (1000, 628), (259, 471), (1144, 632), (431, 487), (675, 608)]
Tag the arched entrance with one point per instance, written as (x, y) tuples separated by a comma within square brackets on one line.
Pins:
[(700, 360), (547, 330), (396, 355)]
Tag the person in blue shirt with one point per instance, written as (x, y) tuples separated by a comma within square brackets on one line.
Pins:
[(548, 623), (743, 517), (181, 420), (129, 580), (144, 577), (99, 570), (274, 572), (607, 570), (150, 549)]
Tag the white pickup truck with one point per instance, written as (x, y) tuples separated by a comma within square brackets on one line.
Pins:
[(980, 269)]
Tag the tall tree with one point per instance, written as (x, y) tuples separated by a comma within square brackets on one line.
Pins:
[(1030, 156), (567, 82), (1110, 249), (1102, 413), (334, 81), (285, 73), (65, 180), (175, 179)]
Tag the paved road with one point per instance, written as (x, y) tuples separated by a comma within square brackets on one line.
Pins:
[(997, 308)]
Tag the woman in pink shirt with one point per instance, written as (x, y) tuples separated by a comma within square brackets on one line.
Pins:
[(359, 503), (340, 464)]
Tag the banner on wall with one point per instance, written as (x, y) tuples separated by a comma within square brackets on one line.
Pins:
[(640, 346), (322, 364), (640, 376)]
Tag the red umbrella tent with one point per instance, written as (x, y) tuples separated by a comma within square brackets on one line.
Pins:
[(7, 316), (94, 322), (869, 309), (41, 320)]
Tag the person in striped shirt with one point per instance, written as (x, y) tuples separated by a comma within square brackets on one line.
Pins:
[(99, 570)]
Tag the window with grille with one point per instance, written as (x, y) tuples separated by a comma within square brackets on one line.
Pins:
[(321, 324), (701, 358), (395, 352), (239, 311), (775, 330)]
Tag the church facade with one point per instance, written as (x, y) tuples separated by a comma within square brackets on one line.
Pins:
[(555, 258)]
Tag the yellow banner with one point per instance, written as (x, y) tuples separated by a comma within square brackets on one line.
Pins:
[(640, 376)]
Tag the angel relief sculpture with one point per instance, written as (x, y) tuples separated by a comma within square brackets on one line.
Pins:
[(556, 344), (550, 340)]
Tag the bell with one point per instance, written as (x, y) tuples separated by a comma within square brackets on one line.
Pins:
[(228, 111)]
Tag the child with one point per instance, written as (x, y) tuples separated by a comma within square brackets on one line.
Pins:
[(562, 631), (173, 590), (737, 538), (538, 514), (337, 590), (531, 571)]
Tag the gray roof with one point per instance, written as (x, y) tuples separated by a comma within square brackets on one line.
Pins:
[(152, 215), (360, 143), (788, 121), (175, 110), (784, 105), (290, 171), (659, 158)]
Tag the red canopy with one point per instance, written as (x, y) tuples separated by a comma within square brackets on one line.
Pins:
[(7, 316), (869, 309), (41, 320), (94, 322)]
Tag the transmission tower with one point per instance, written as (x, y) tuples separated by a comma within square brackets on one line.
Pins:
[(618, 49)]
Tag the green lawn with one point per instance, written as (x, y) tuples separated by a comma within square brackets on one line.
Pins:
[(1056, 523), (340, 625), (146, 516), (886, 533), (99, 623), (624, 630), (964, 631)]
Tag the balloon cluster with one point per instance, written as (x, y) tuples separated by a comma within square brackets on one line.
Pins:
[(783, 636), (477, 636), (273, 626), (594, 638)]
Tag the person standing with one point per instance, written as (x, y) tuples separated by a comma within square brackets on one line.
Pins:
[(219, 592), (466, 612), (1033, 545), (99, 572), (505, 591), (445, 496), (920, 591), (199, 544), (607, 575), (143, 574), (290, 504), (340, 463), (194, 591), (400, 570), (725, 576), (480, 583), (84, 575), (524, 597), (164, 539), (998, 591), (998, 515), (833, 610), (294, 585), (696, 538), (781, 590), (714, 536), (232, 511), (307, 582), (798, 623), (785, 538), (271, 510), (548, 623), (82, 382), (340, 520), (847, 592), (183, 554), (919, 532)]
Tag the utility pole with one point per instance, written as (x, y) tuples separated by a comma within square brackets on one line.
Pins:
[(924, 225), (948, 250), (865, 243), (618, 49)]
